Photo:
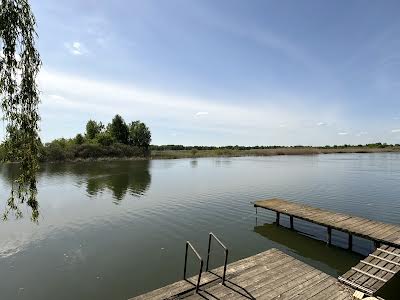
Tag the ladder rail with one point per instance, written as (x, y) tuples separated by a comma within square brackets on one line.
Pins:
[(226, 251), (188, 244)]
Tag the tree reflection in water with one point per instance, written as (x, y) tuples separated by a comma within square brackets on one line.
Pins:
[(119, 177)]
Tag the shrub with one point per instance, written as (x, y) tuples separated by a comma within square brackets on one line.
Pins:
[(79, 139), (54, 152), (105, 139)]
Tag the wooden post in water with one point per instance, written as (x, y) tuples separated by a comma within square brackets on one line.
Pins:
[(329, 241), (350, 241), (256, 217), (291, 222), (278, 215)]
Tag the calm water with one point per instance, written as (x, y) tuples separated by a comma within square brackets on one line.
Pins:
[(113, 230)]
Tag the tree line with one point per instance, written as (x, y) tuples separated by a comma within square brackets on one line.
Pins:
[(116, 139), (135, 133), (172, 147)]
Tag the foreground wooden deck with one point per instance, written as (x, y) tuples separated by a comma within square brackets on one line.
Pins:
[(268, 275), (378, 232)]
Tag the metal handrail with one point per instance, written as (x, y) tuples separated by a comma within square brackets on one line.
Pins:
[(201, 264), (226, 254)]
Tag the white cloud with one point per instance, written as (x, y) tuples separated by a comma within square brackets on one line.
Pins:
[(103, 99), (322, 124), (76, 48), (396, 130), (343, 133)]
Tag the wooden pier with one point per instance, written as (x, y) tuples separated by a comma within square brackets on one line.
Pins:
[(370, 274), (268, 275), (275, 275), (379, 232)]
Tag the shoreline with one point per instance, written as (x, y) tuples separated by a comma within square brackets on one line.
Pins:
[(184, 154), (176, 154), (194, 153)]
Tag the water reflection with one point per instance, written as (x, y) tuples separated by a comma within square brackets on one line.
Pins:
[(194, 163), (315, 251), (223, 162), (335, 258), (119, 177)]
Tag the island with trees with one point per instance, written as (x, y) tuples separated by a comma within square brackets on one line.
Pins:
[(116, 140)]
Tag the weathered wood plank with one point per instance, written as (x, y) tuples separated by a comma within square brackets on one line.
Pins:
[(362, 227), (268, 275), (374, 271)]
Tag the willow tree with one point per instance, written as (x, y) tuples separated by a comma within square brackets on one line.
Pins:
[(19, 66)]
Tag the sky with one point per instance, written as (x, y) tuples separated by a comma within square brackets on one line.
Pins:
[(225, 72)]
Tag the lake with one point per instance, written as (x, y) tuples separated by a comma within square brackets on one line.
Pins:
[(116, 229)]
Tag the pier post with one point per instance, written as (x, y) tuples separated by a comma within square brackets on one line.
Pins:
[(278, 215), (291, 222), (350, 241), (377, 244), (329, 238), (256, 217)]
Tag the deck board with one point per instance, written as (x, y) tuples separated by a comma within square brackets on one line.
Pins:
[(373, 274), (269, 275), (388, 234)]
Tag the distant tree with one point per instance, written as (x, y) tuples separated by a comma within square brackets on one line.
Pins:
[(93, 129), (119, 130), (19, 65), (2, 152), (79, 139), (139, 134), (105, 139)]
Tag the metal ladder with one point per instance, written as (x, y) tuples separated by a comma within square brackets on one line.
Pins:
[(188, 244)]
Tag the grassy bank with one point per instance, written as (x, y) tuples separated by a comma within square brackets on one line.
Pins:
[(171, 154), (60, 151)]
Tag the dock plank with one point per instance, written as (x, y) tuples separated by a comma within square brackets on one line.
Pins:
[(374, 271), (269, 275), (374, 230)]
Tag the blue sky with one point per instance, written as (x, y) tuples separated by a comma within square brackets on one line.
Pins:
[(223, 72)]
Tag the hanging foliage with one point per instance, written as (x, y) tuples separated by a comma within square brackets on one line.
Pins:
[(19, 65)]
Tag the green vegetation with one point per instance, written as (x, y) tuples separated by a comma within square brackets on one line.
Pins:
[(180, 151), (19, 65), (116, 140)]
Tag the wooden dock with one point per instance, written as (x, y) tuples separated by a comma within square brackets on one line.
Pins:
[(275, 275), (370, 274), (379, 232), (267, 275)]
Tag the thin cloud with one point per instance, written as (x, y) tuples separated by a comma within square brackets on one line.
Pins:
[(396, 130), (361, 133), (343, 133), (76, 48), (67, 92), (321, 124)]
